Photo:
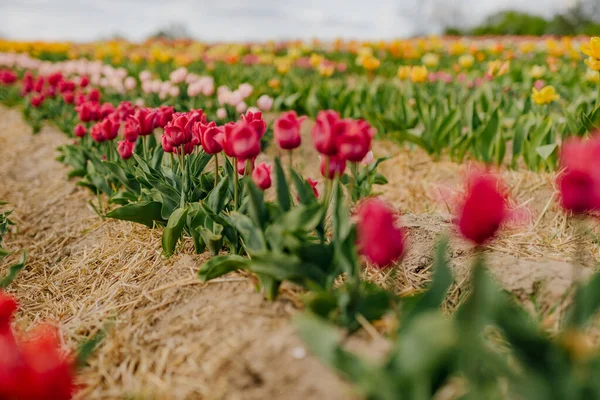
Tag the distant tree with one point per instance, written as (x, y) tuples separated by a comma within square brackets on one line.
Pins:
[(175, 30)]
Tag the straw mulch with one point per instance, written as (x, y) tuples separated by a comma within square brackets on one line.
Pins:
[(169, 336)]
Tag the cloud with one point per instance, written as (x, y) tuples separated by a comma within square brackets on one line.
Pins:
[(243, 20)]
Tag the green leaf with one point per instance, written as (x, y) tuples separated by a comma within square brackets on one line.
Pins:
[(145, 212), (173, 230), (13, 271), (485, 137), (88, 347), (219, 196), (221, 265), (257, 208), (252, 235), (303, 218), (546, 150), (284, 198), (305, 192), (212, 238), (435, 294), (585, 304)]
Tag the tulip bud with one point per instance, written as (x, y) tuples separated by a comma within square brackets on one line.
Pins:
[(324, 132), (244, 141), (579, 182), (256, 122), (80, 131), (313, 184), (147, 119), (110, 127), (483, 210), (241, 107), (221, 113), (378, 236), (262, 176), (131, 130), (211, 138), (36, 101), (335, 166), (125, 149), (354, 139), (287, 130), (242, 165), (265, 102)]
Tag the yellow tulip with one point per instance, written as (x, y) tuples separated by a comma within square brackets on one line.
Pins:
[(418, 74), (537, 71), (371, 63), (404, 72), (431, 60), (326, 69), (466, 61), (593, 63), (544, 96), (592, 49)]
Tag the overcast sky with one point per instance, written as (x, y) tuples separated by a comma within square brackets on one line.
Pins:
[(85, 20)]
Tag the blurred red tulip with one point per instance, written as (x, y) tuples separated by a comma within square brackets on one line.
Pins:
[(262, 176), (378, 236), (335, 166), (245, 142), (579, 182), (287, 130), (484, 208), (354, 139), (131, 129), (313, 184), (324, 132), (36, 101), (256, 121), (242, 165), (80, 131), (125, 149), (147, 119)]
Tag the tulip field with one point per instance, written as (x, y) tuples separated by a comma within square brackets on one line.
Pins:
[(411, 219)]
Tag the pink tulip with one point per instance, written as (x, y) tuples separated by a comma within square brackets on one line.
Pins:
[(287, 130), (335, 166), (221, 113), (265, 102), (262, 176)]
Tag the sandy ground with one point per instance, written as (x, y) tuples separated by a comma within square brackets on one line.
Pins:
[(172, 337)]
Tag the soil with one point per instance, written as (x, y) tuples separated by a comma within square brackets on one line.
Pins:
[(170, 336)]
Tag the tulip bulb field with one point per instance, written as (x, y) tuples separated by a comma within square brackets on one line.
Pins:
[(411, 219)]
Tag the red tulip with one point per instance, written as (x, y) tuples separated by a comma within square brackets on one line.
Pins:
[(106, 109), (167, 148), (262, 176), (88, 111), (94, 95), (84, 82), (354, 139), (38, 84), (177, 130), (313, 184), (97, 133), (125, 149), (210, 137), (55, 78), (287, 130), (579, 183), (256, 121), (131, 130), (110, 127), (483, 210), (32, 367), (7, 77), (80, 130), (165, 114), (324, 132), (243, 164), (48, 374), (68, 97), (378, 236), (37, 101), (124, 110), (228, 129), (66, 86), (335, 164), (147, 120), (245, 143)]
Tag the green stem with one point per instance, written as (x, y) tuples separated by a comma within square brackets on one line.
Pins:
[(598, 93), (368, 176), (145, 145), (216, 169), (353, 182), (183, 176), (235, 184), (291, 161)]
